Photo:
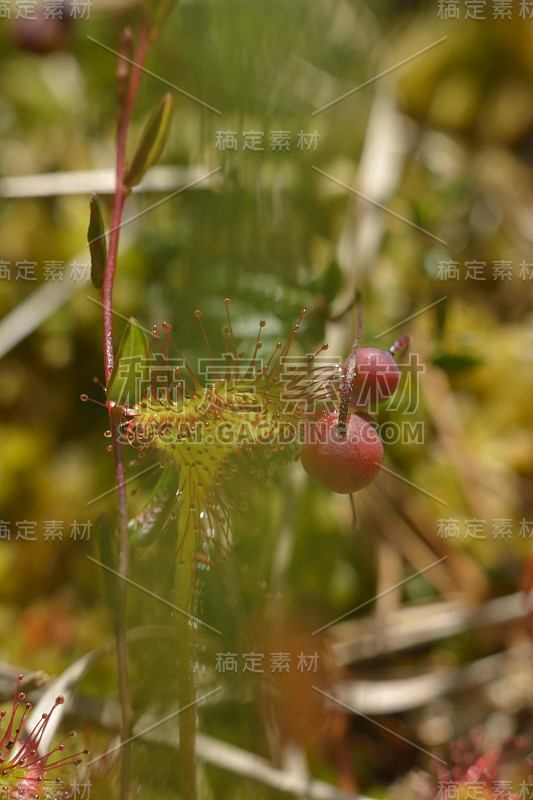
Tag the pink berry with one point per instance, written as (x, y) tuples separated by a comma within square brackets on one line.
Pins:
[(376, 376), (342, 464)]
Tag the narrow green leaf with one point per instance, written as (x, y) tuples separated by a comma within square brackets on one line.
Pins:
[(106, 537), (163, 10), (146, 526), (441, 313), (128, 382), (453, 363), (152, 143), (97, 245), (331, 281)]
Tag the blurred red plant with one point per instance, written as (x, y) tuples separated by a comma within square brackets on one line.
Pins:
[(474, 769)]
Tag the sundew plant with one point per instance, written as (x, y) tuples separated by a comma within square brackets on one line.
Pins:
[(278, 548), (215, 444), (26, 771)]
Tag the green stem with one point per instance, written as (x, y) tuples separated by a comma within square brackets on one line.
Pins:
[(184, 600)]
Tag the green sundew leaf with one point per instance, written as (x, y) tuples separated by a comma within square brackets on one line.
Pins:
[(97, 245), (106, 537), (146, 526), (152, 143), (453, 363), (129, 379)]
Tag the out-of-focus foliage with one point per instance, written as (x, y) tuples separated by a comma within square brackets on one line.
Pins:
[(446, 143)]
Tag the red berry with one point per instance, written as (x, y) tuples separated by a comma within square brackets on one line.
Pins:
[(366, 417), (342, 464), (376, 376)]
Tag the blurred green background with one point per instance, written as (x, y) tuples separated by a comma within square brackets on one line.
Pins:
[(445, 142)]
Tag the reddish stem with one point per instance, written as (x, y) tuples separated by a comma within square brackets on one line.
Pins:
[(119, 199), (121, 192)]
